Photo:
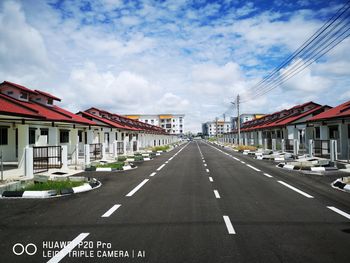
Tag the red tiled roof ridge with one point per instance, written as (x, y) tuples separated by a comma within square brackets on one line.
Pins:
[(47, 95), (19, 86)]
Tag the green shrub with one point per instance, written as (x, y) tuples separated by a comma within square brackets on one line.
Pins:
[(121, 158), (161, 148), (116, 165)]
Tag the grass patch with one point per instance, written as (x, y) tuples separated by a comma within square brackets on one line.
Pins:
[(116, 165), (161, 148), (246, 147), (52, 185)]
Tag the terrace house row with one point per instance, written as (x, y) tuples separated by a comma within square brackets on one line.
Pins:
[(30, 119), (299, 129)]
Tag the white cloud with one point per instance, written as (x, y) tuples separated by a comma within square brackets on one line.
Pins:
[(22, 49)]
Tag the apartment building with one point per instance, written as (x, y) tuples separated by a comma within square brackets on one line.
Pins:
[(171, 123), (213, 128)]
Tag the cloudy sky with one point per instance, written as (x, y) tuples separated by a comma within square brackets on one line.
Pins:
[(181, 56)]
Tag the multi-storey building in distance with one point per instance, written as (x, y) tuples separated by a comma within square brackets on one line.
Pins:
[(171, 123), (213, 128)]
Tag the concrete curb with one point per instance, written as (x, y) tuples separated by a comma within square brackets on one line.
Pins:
[(305, 168), (339, 185), (51, 193)]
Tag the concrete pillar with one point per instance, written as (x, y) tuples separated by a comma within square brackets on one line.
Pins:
[(74, 140), (265, 144), (64, 157), (333, 150), (87, 154), (90, 136), (311, 147), (104, 151), (274, 144), (23, 142), (29, 169), (343, 139), (283, 145), (53, 136), (295, 147), (115, 149)]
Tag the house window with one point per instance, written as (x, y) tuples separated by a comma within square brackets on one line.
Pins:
[(24, 95), (64, 136), (80, 136), (146, 121), (348, 131), (45, 132), (10, 93), (3, 136), (50, 101), (32, 135), (122, 136), (116, 136), (317, 133)]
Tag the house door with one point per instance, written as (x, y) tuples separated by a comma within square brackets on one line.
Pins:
[(333, 132)]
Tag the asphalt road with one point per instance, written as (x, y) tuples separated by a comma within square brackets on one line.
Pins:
[(197, 203)]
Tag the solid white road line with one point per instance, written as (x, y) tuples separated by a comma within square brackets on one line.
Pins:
[(60, 255), (111, 211), (296, 190), (207, 170), (211, 179), (137, 188), (229, 226), (254, 168), (160, 167), (268, 175), (166, 161), (242, 162), (216, 193), (340, 212), (153, 174)]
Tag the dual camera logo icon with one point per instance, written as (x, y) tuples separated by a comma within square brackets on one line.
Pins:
[(29, 249)]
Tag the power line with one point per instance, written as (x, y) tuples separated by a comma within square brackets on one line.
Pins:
[(321, 42)]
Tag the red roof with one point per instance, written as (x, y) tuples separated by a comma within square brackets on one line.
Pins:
[(340, 111), (11, 106), (275, 120), (8, 107), (47, 95), (18, 86), (103, 120)]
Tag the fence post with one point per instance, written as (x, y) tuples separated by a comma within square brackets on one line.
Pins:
[(28, 166), (274, 145), (64, 157), (87, 154), (115, 149), (295, 147), (283, 145), (334, 150), (103, 151), (311, 147), (265, 144)]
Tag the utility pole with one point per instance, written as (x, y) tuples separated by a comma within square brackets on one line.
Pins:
[(238, 121)]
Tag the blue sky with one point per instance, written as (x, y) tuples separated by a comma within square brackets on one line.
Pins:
[(181, 56)]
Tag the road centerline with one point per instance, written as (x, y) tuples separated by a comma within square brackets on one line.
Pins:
[(60, 255), (111, 210), (216, 193), (132, 192), (229, 225)]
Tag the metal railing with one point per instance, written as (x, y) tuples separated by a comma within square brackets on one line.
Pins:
[(289, 145), (46, 157), (95, 151), (322, 148), (120, 147)]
